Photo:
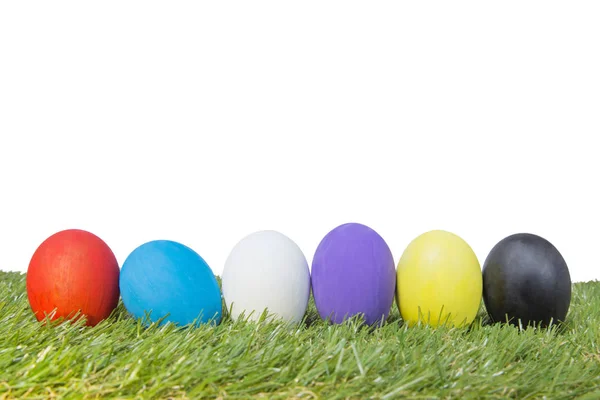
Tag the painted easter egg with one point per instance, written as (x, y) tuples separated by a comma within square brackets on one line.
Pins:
[(73, 274), (266, 273), (166, 281), (439, 281), (353, 273)]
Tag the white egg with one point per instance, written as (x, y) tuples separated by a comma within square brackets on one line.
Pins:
[(266, 270)]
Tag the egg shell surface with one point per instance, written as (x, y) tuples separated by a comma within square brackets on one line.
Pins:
[(73, 272), (172, 283), (266, 271), (439, 281), (353, 273), (526, 281)]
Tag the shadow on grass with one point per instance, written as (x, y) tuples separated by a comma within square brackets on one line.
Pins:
[(484, 320), (313, 319)]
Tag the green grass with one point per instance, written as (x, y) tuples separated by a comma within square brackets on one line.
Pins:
[(121, 359)]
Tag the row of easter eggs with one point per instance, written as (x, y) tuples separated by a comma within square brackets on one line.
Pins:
[(438, 280)]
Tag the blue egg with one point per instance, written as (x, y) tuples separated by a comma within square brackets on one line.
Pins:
[(166, 279)]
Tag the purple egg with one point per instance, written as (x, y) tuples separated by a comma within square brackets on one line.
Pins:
[(352, 273)]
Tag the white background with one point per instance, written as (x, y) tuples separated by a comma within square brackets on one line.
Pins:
[(202, 122)]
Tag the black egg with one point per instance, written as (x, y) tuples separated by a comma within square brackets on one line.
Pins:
[(526, 278)]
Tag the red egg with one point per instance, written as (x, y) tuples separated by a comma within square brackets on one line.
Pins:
[(72, 273)]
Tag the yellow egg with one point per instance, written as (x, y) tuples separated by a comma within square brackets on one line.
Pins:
[(439, 281)]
